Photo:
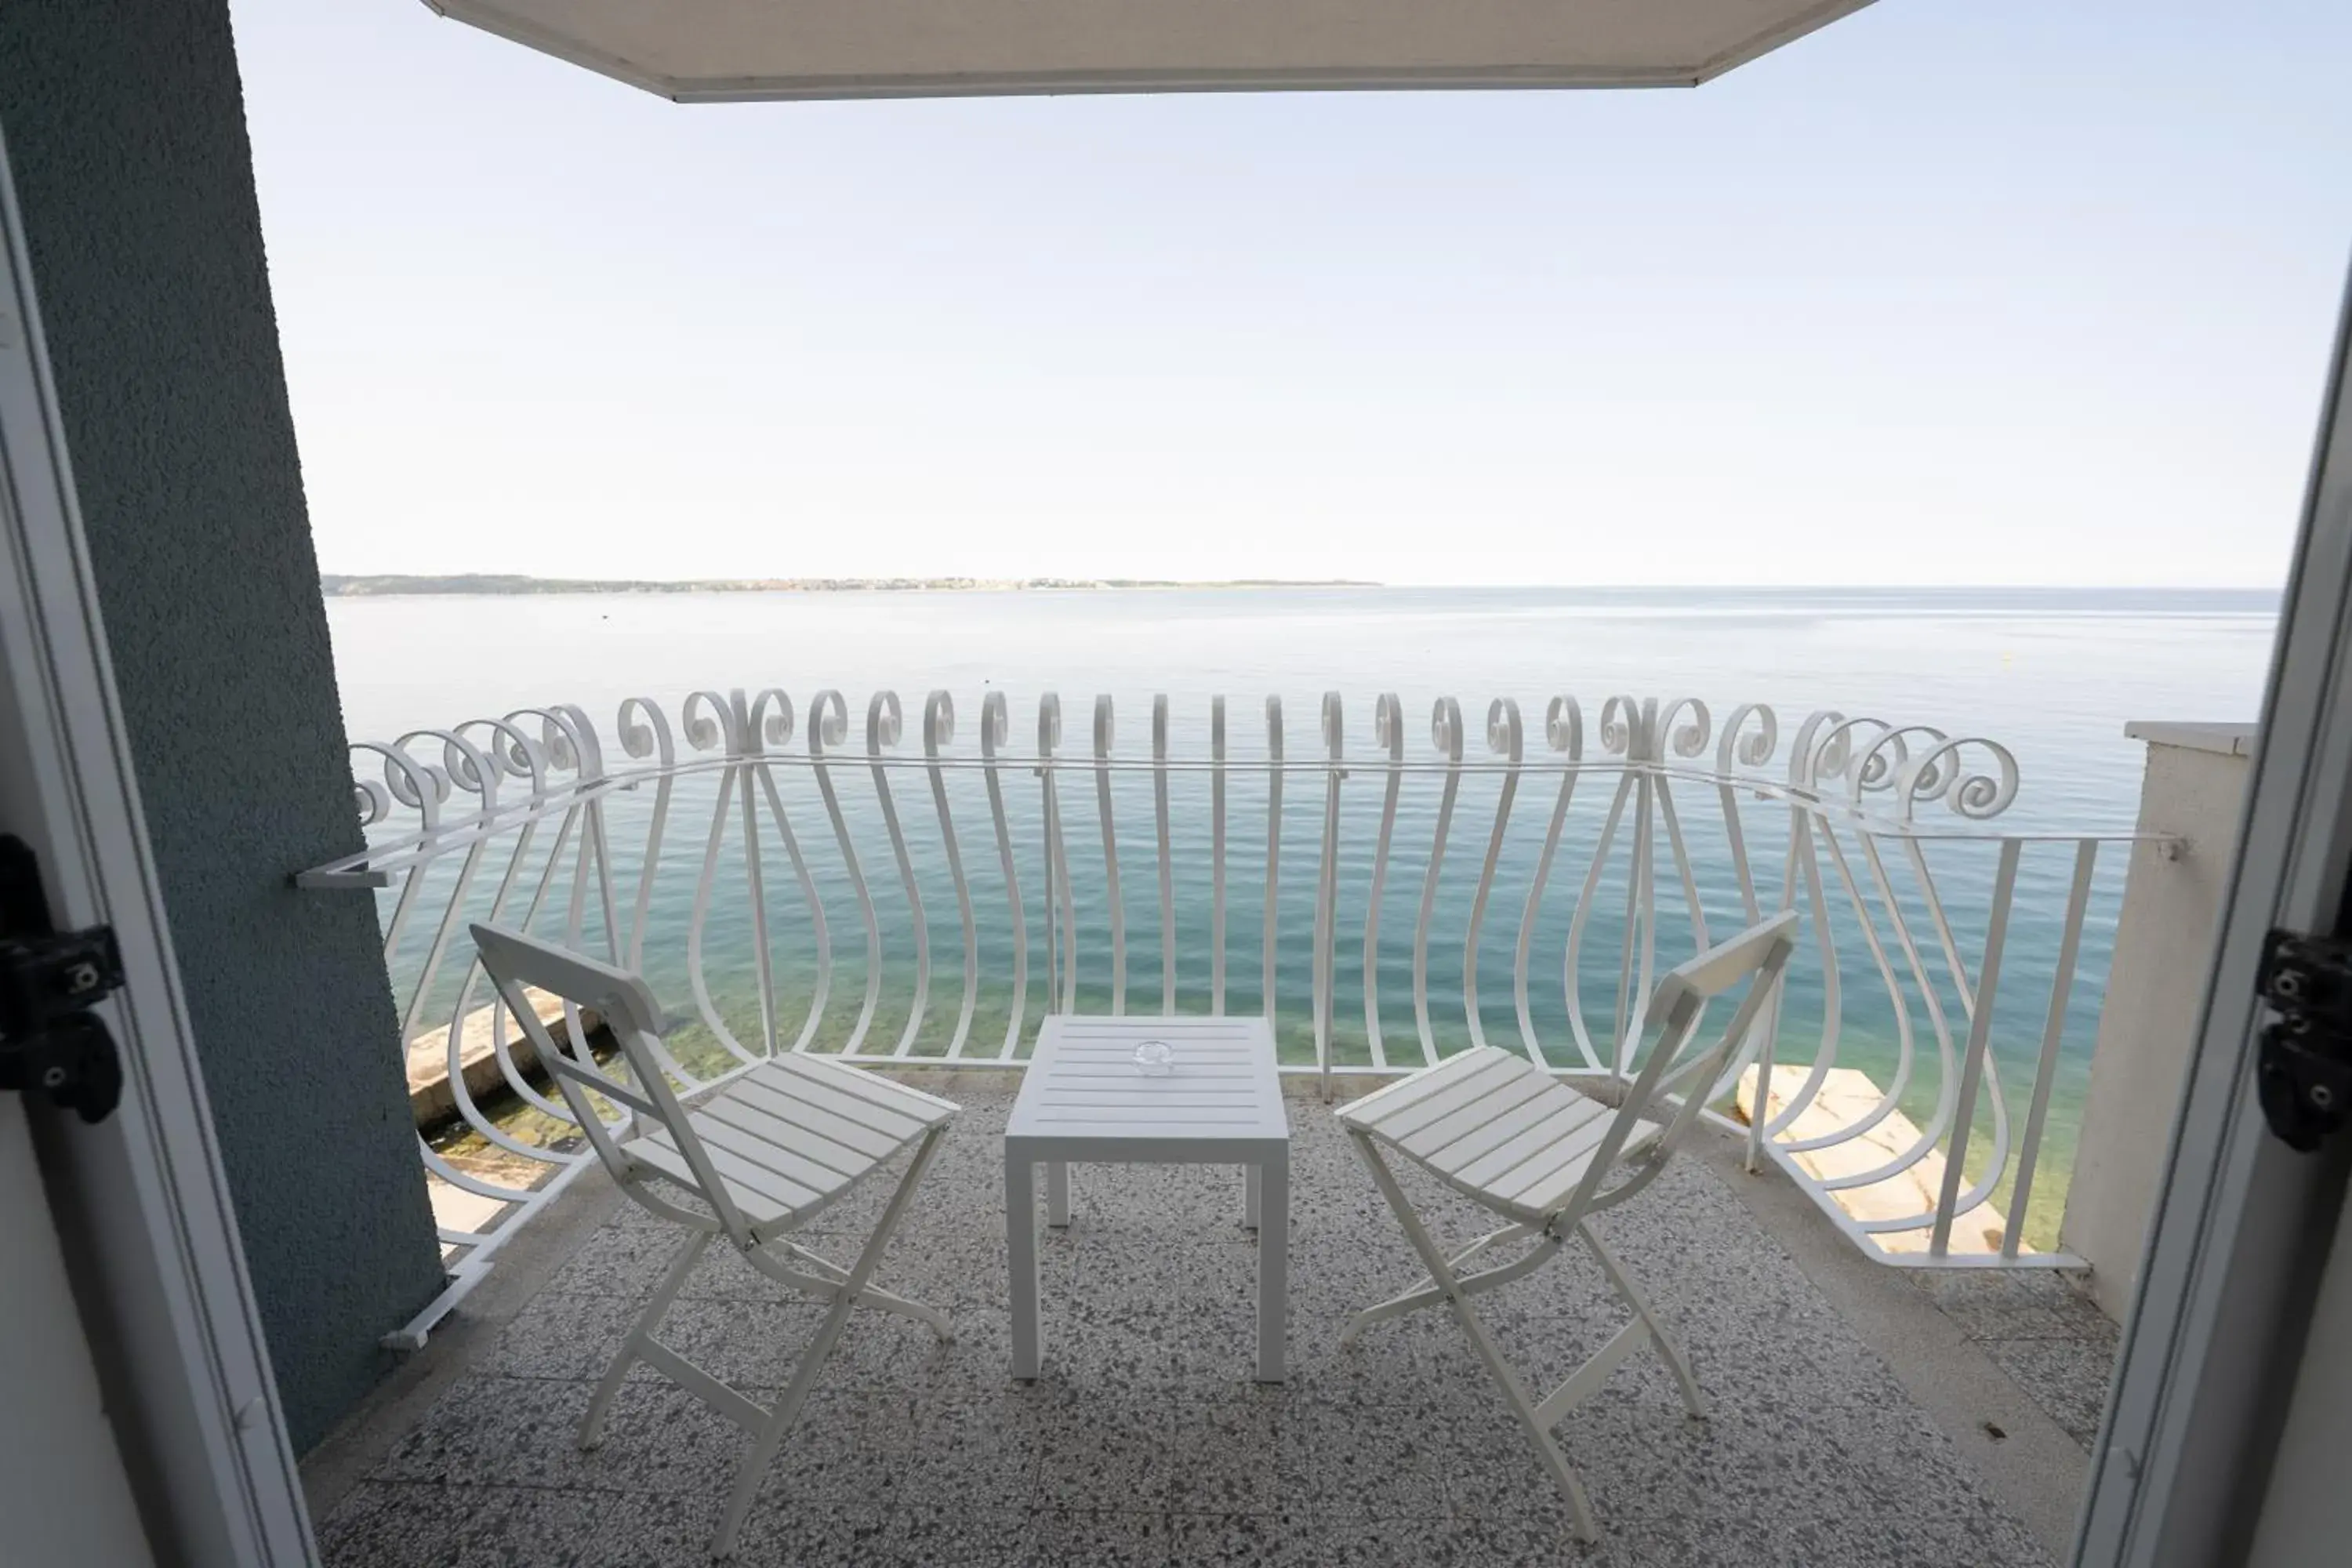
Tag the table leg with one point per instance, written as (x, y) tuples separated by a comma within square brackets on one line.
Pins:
[(1058, 1193), (1272, 1263), (1249, 1197), (1021, 1259)]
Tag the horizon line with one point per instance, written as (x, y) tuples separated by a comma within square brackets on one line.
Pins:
[(922, 582)]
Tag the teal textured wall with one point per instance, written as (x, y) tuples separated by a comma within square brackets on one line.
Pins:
[(126, 129)]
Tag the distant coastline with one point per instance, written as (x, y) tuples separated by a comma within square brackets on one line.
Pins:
[(337, 584)]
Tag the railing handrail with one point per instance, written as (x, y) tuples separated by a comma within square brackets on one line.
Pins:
[(369, 867)]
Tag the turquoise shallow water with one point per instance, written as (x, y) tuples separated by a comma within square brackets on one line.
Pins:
[(2054, 675)]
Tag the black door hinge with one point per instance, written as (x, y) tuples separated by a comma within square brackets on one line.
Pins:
[(49, 979), (2304, 1071)]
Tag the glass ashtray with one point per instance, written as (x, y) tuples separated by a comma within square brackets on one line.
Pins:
[(1155, 1059)]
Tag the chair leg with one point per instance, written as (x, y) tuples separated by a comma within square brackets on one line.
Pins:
[(1668, 1346), (1515, 1393), (592, 1426), (769, 1435)]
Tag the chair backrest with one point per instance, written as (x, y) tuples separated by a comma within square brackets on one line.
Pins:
[(1678, 1076), (626, 1003)]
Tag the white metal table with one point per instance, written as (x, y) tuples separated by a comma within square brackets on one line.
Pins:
[(1083, 1101)]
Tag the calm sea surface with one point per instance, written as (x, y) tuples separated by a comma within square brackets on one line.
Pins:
[(2053, 674)]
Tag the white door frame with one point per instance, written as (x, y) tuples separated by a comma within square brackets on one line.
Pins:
[(139, 1198), (2236, 1246), (2241, 1225)]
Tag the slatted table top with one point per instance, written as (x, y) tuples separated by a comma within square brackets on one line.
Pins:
[(1082, 1084)]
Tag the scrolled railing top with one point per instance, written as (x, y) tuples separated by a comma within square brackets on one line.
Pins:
[(515, 766)]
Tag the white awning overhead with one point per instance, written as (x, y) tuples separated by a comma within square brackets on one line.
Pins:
[(721, 50)]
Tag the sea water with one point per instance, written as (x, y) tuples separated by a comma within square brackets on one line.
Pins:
[(2054, 675)]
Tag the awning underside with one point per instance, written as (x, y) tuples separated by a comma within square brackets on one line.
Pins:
[(715, 51)]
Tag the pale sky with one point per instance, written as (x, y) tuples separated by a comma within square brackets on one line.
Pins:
[(1965, 291)]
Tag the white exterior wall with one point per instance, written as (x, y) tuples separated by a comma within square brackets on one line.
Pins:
[(2164, 949)]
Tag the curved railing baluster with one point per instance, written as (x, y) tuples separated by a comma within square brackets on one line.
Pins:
[(1931, 997), (509, 749), (1061, 943), (1689, 741), (2062, 981), (517, 1082), (755, 877), (1116, 909), (1951, 1202), (1563, 733), (579, 749), (1678, 851), (885, 725), (1446, 734), (709, 726), (575, 913), (1639, 950), (1826, 1054), (1815, 759), (465, 768), (523, 761), (829, 726), (1975, 996), (596, 846), (1946, 1089), (575, 1032), (568, 740), (1505, 740), (771, 720), (1955, 965), (939, 728), (1946, 942), (423, 789), (1388, 733), (645, 732), (1620, 721), (1216, 857), (1273, 860), (1166, 862), (517, 755), (1874, 768), (1754, 749), (1801, 868), (1326, 888), (995, 728)]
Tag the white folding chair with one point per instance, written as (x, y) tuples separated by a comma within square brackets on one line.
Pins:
[(781, 1142), (1510, 1137)]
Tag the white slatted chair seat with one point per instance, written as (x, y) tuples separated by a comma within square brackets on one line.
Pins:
[(1505, 1133), (784, 1141), (791, 1135), (1497, 1129)]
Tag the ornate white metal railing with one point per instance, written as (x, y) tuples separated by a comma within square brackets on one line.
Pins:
[(932, 906)]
